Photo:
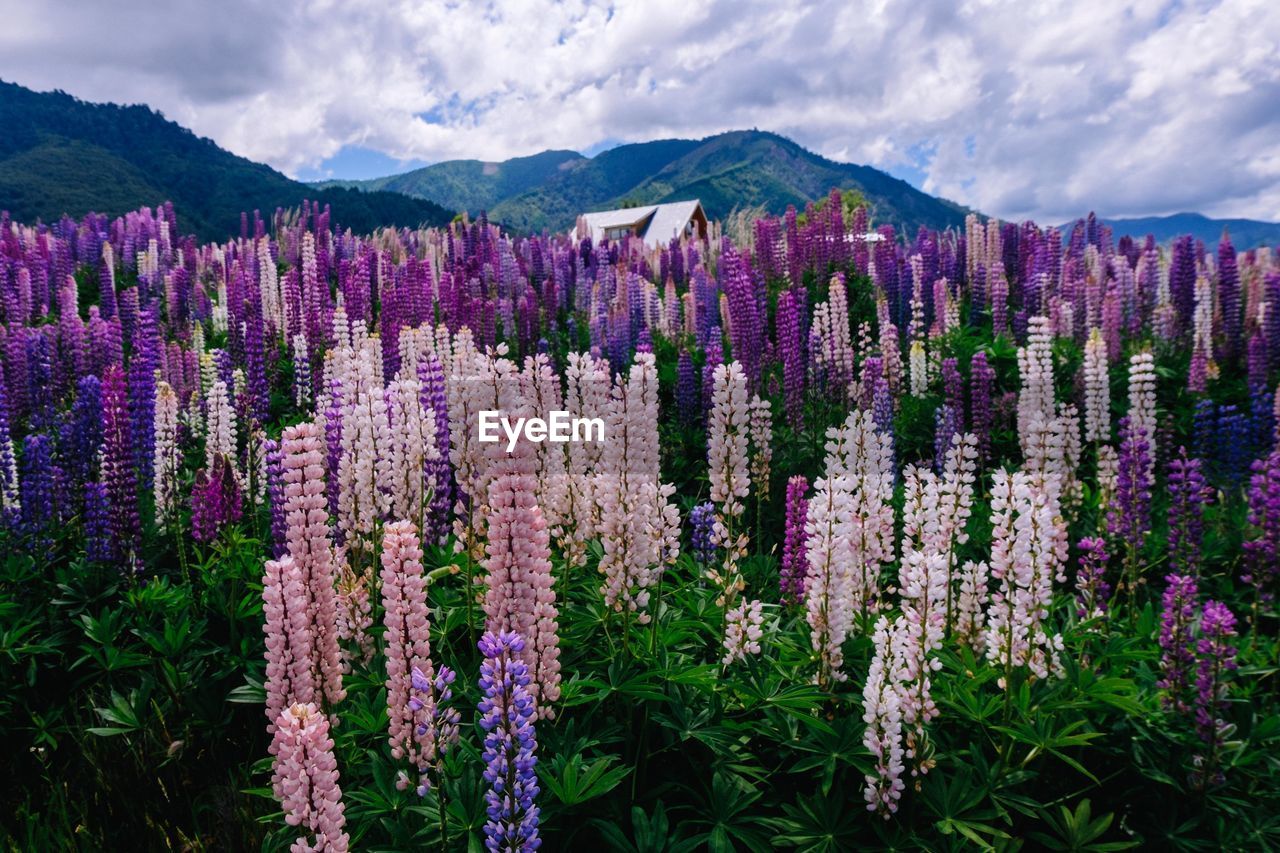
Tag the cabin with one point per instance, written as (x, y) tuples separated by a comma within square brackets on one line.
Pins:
[(656, 224)]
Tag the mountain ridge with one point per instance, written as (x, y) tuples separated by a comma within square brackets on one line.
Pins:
[(61, 155), (727, 171)]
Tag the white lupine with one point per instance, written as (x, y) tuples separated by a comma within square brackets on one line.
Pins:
[(301, 371), (761, 429), (918, 633), (1142, 404), (1027, 552), (1035, 368), (744, 628), (971, 604), (365, 464), (220, 420), (412, 444), (167, 457), (1097, 389), (727, 445), (918, 364), (882, 713), (829, 587)]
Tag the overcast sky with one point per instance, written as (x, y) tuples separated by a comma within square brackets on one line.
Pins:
[(1021, 109)]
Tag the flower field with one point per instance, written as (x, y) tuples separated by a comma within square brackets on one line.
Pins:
[(916, 541)]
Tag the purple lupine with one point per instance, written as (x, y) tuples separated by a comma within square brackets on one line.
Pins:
[(791, 343), (794, 560), (510, 745), (1177, 651), (38, 477), (953, 386), (1229, 295), (1217, 657), (434, 694), (1188, 494), (97, 523), (1092, 589), (702, 520), (1262, 550), (688, 391), (215, 500), (80, 439), (143, 361), (982, 378), (1129, 518), (438, 472), (275, 496), (714, 352), (118, 473), (946, 429)]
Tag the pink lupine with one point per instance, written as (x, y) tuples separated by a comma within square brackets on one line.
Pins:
[(308, 539), (744, 626), (408, 644), (305, 779), (520, 593), (290, 675)]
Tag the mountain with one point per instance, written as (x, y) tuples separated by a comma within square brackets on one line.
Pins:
[(738, 169), (1245, 233), (59, 155)]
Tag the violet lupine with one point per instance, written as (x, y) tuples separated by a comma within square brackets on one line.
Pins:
[(275, 495), (433, 695), (744, 626), (982, 379), (1188, 494), (1177, 647), (1129, 516), (688, 392), (882, 713), (304, 778), (38, 477), (80, 440), (117, 467), (97, 523), (702, 524), (510, 745), (439, 474), (795, 563), (1092, 589), (789, 323), (1216, 658), (1262, 549)]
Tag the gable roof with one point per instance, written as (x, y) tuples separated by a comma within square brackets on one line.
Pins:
[(655, 223)]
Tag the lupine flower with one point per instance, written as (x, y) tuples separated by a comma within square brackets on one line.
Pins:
[(981, 386), (1188, 494), (1027, 553), (1177, 621), (743, 630), (167, 458), (1216, 657), (1092, 589), (1097, 390), (883, 715), (1262, 549), (10, 498), (1142, 405), (215, 500), (727, 449), (702, 522), (795, 563), (1129, 517), (117, 467), (688, 393), (305, 778), (789, 323), (510, 745), (38, 478)]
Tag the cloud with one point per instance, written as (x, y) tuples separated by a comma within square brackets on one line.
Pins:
[(1019, 109)]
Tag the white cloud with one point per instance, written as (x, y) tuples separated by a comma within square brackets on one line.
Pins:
[(1023, 109)]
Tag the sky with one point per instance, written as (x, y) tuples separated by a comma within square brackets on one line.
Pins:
[(1031, 109)]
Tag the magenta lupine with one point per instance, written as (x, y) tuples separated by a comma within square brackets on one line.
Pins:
[(1216, 657), (789, 323), (510, 745), (215, 500), (795, 563), (1177, 647), (1262, 548), (305, 779)]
